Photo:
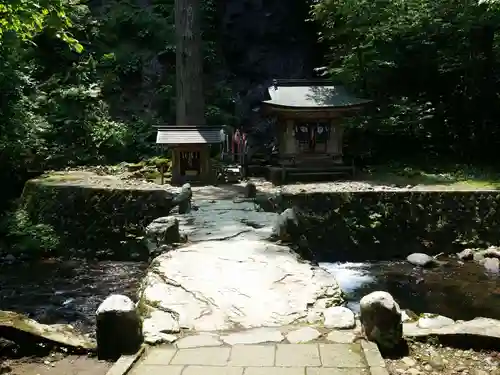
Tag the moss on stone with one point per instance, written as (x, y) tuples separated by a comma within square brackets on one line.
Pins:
[(100, 218), (388, 224), (132, 167)]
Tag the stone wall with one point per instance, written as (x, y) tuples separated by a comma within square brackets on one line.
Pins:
[(94, 218), (387, 224)]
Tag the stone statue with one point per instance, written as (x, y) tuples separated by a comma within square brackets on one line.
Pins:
[(183, 199)]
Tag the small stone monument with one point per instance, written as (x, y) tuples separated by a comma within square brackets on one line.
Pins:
[(183, 199), (250, 190), (286, 225), (119, 328)]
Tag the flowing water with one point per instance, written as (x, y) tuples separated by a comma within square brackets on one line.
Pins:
[(66, 292), (456, 290), (70, 292)]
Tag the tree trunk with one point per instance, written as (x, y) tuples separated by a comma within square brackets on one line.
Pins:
[(189, 63)]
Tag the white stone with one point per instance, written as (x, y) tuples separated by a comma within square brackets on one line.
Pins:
[(303, 335), (408, 361), (116, 303), (159, 338), (339, 317), (119, 327), (342, 337), (253, 336), (314, 316), (158, 325), (236, 283), (198, 341), (434, 321), (380, 298), (405, 317)]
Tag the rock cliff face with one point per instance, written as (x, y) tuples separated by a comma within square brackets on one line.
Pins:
[(262, 40)]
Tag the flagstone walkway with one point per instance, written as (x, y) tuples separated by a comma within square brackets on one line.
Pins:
[(359, 358)]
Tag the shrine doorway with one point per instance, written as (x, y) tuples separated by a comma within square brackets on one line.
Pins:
[(190, 163), (312, 137)]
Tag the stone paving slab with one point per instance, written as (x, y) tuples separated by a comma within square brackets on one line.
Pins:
[(359, 358)]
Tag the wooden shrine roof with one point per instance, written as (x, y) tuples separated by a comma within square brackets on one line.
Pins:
[(311, 94), (177, 134)]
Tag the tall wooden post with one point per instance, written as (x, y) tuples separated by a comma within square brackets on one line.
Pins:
[(189, 63)]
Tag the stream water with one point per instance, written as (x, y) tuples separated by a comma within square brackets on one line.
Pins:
[(69, 292), (457, 290), (66, 292)]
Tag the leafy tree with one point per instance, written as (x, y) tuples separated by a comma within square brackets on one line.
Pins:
[(431, 66)]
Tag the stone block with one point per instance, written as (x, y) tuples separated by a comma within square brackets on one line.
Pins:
[(252, 355), (274, 371), (119, 327), (217, 356), (342, 355), (297, 355)]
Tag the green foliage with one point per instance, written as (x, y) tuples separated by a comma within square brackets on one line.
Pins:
[(384, 225), (26, 238), (104, 222), (432, 68), (27, 18), (96, 101)]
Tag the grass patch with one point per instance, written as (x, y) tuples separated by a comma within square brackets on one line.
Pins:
[(450, 176)]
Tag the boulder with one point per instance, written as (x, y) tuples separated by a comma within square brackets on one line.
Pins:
[(183, 199), (380, 317), (491, 252), (421, 260), (466, 254), (119, 327), (286, 225), (434, 321), (492, 265), (162, 231)]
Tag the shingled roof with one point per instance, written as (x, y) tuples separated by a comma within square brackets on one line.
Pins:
[(176, 134), (311, 94)]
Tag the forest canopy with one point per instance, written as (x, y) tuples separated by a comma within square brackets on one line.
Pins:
[(82, 82)]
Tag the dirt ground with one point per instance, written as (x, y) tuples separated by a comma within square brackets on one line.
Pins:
[(434, 359), (54, 365)]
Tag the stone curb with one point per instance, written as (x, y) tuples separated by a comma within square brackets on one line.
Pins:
[(373, 358), (125, 363)]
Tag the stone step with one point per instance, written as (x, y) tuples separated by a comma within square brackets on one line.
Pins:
[(355, 358)]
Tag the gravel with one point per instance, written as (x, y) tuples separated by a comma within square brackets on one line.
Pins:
[(426, 358), (121, 179)]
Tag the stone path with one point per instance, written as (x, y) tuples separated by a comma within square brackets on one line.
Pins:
[(358, 358)]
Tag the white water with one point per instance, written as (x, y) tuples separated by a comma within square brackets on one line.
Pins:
[(351, 277)]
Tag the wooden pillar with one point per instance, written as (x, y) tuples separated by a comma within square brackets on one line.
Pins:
[(340, 143), (189, 63), (175, 179)]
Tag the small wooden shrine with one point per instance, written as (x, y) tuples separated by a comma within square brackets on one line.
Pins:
[(309, 116), (190, 147)]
